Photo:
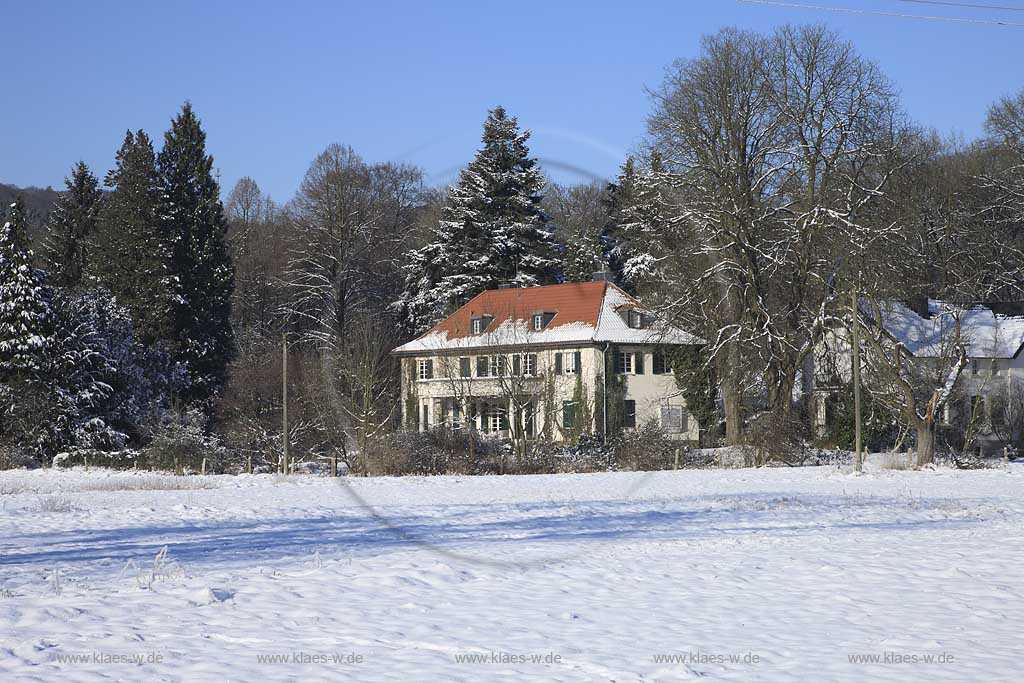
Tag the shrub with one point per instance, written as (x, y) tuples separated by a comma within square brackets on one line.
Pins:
[(181, 442), (647, 448)]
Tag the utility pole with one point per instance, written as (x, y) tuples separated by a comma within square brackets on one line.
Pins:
[(284, 400), (855, 336)]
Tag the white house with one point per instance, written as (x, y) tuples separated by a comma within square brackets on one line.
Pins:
[(525, 362), (993, 381)]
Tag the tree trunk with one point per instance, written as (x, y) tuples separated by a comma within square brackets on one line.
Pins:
[(925, 445), (732, 406), (780, 391)]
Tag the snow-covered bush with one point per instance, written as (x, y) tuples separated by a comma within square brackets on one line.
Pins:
[(646, 448), (590, 453), (182, 442)]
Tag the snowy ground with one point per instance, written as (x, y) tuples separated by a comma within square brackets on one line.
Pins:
[(741, 575)]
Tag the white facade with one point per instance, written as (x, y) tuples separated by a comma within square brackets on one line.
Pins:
[(531, 362), (555, 397)]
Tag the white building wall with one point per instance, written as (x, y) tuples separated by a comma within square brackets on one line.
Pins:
[(436, 395)]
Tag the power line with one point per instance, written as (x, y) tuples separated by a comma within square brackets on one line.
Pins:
[(1002, 8), (846, 10)]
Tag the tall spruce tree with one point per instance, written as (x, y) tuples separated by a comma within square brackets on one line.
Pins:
[(492, 229), (195, 229), (26, 316), (71, 224), (127, 254)]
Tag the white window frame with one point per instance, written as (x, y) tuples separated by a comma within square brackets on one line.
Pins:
[(538, 322), (678, 428), (494, 420), (477, 325), (527, 365), (422, 369), (628, 363), (569, 364), (635, 319)]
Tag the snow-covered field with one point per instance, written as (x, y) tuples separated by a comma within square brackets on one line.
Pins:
[(740, 575)]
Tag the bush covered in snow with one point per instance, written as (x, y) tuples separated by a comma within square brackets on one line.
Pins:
[(182, 442)]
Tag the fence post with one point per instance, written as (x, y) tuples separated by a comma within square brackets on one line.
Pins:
[(677, 460)]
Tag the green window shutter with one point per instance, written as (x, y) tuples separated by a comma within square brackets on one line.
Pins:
[(558, 363), (577, 358), (568, 414), (517, 365), (430, 369), (629, 414), (638, 363), (482, 366), (464, 368)]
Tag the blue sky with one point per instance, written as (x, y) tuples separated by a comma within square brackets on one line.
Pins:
[(276, 82)]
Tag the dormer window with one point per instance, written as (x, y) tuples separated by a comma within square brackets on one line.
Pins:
[(540, 320), (479, 325), (635, 319)]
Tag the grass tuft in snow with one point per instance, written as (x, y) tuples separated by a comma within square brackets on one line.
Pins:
[(54, 504)]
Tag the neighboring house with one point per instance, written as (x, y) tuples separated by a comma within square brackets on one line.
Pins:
[(526, 362), (991, 388)]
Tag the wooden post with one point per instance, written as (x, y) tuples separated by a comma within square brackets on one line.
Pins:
[(284, 401), (676, 467), (859, 460)]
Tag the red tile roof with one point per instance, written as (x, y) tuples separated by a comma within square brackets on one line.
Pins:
[(572, 303)]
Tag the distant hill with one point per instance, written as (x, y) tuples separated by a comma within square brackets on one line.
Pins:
[(38, 202)]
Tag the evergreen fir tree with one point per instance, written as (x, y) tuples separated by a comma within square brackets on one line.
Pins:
[(194, 229), (637, 225), (127, 255), (492, 229), (26, 317), (71, 223), (584, 255)]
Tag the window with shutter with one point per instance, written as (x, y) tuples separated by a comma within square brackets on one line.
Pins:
[(465, 369), (483, 364), (568, 414), (572, 363), (658, 364), (529, 364), (625, 363), (425, 369), (529, 419), (672, 419)]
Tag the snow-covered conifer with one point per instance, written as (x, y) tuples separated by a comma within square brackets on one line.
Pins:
[(70, 225), (194, 229), (26, 319), (492, 229)]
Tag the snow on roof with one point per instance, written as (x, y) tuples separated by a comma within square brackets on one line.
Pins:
[(986, 333), (584, 313)]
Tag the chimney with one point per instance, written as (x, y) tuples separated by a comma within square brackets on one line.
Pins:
[(919, 304), (603, 276)]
